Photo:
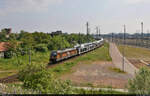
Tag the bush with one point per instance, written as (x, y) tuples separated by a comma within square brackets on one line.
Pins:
[(41, 48), (58, 43), (140, 84), (37, 77), (8, 54)]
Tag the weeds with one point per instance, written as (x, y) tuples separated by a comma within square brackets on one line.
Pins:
[(116, 70)]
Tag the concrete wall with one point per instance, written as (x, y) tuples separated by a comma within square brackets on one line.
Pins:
[(117, 59)]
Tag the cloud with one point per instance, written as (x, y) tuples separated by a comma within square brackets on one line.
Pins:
[(12, 6), (136, 1)]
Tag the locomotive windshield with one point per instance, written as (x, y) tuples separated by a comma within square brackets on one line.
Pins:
[(54, 53)]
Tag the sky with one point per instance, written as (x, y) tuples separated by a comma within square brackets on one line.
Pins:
[(71, 15)]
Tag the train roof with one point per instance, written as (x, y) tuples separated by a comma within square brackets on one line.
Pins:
[(69, 49)]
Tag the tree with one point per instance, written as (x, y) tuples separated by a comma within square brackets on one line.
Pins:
[(140, 84), (37, 77), (41, 48), (58, 43), (3, 35), (41, 38)]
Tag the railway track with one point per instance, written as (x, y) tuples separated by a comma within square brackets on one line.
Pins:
[(14, 78), (10, 79)]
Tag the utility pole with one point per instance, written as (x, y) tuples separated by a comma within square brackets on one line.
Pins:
[(142, 34), (96, 32), (112, 36), (123, 63), (30, 56), (147, 39), (79, 38), (87, 25), (99, 31), (136, 36)]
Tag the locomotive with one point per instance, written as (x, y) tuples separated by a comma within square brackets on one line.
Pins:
[(60, 55)]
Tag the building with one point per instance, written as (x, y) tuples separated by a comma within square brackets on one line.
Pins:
[(3, 49), (56, 33)]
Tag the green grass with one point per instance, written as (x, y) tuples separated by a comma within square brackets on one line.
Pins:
[(15, 63), (19, 89), (116, 70), (133, 52), (100, 54), (6, 74), (82, 91), (62, 68)]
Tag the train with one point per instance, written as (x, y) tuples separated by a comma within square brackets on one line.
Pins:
[(60, 55)]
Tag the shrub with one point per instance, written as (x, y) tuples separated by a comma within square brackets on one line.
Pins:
[(37, 77), (58, 43), (41, 48), (140, 84), (8, 54)]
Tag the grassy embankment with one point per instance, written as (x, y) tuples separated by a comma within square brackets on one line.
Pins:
[(11, 66), (136, 53), (100, 54), (19, 89)]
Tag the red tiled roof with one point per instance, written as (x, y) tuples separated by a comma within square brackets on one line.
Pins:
[(3, 46)]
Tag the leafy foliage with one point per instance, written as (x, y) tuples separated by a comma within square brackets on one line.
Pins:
[(58, 42), (39, 42), (37, 77), (41, 48), (140, 84)]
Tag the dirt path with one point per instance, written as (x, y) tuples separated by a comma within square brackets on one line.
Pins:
[(98, 74), (117, 59)]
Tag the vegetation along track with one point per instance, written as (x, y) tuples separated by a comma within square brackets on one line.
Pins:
[(14, 78), (10, 79)]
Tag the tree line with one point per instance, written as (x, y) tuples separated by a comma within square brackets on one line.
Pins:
[(21, 43)]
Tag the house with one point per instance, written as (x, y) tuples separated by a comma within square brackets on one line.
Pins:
[(3, 49)]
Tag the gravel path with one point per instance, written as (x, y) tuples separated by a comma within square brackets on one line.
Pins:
[(105, 89), (117, 59), (98, 74)]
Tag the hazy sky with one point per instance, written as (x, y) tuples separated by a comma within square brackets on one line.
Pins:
[(71, 15)]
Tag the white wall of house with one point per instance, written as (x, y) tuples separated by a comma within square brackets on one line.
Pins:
[(1, 54)]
